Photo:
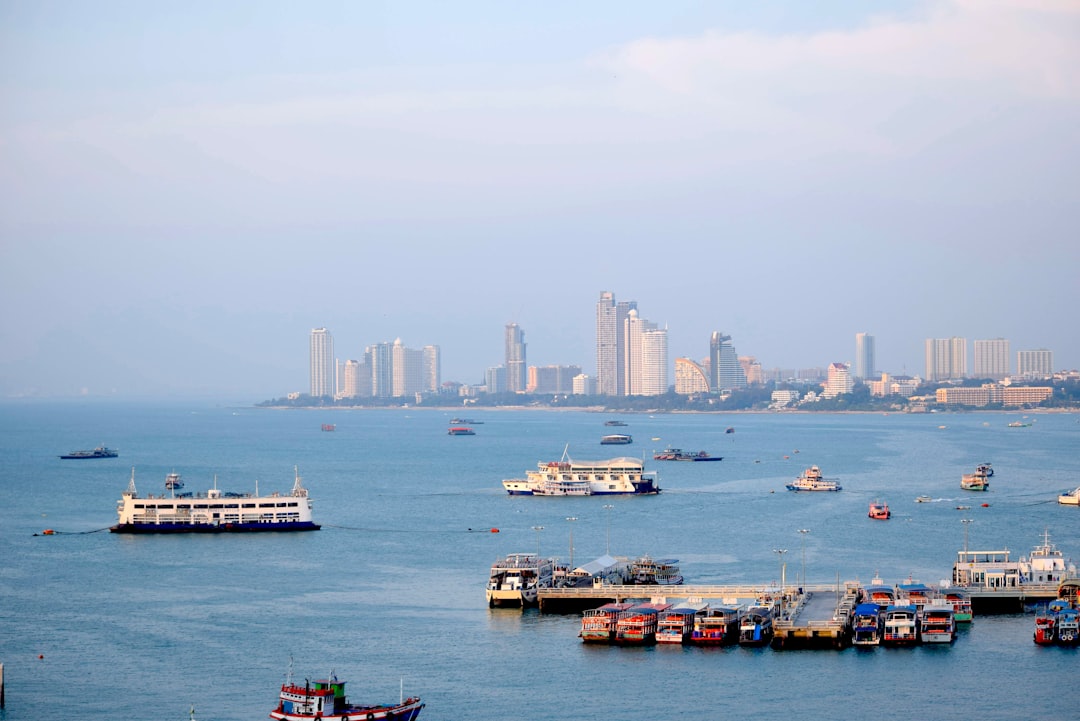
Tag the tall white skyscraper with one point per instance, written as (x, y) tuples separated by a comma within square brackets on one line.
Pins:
[(992, 358), (654, 362), (432, 368), (610, 344), (865, 359), (323, 382), (382, 370), (516, 367)]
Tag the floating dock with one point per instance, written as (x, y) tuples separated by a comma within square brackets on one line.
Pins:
[(816, 618)]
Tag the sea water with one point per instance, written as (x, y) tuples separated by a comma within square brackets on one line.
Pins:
[(389, 595)]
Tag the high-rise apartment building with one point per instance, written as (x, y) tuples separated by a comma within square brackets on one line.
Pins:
[(690, 377), (610, 345), (654, 362), (516, 368), (432, 368), (727, 372), (1035, 363), (992, 358), (323, 381), (946, 358), (382, 370), (407, 371), (864, 356)]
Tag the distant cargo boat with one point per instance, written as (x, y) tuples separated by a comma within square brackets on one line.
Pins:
[(99, 452), (566, 477), (213, 512), (616, 439), (461, 431)]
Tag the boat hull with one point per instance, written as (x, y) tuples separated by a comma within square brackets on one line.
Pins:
[(212, 528), (408, 711)]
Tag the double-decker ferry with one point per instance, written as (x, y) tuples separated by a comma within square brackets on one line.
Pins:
[(215, 511), (566, 477)]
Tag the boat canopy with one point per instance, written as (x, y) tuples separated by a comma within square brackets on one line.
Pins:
[(604, 563), (867, 609)]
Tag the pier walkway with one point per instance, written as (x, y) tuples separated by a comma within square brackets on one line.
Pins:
[(573, 600)]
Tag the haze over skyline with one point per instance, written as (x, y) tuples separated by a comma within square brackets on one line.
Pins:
[(186, 192)]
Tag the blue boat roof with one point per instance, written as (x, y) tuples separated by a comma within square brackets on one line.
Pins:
[(864, 609)]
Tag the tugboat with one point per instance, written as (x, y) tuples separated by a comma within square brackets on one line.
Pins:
[(326, 700)]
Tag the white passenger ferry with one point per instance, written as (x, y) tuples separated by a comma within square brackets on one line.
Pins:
[(214, 511), (567, 477)]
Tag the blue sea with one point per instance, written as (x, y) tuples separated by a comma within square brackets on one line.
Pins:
[(389, 595)]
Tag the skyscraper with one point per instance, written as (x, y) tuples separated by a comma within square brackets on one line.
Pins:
[(382, 370), (726, 373), (864, 356), (610, 350), (992, 358), (322, 363), (946, 358), (516, 367), (654, 362)]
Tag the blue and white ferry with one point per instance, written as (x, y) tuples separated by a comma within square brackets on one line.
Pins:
[(215, 511)]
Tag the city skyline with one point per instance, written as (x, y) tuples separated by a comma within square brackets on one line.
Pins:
[(173, 221)]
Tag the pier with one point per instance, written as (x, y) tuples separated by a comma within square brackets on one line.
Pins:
[(816, 618), (809, 613)]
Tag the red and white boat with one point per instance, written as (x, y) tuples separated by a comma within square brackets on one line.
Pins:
[(326, 700), (880, 511)]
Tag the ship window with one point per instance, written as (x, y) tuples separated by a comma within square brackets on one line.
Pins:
[(292, 504), (184, 505), (201, 505), (140, 505), (249, 505), (232, 505), (216, 505), (282, 505)]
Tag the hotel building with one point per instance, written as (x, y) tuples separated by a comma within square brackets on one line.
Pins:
[(864, 356), (1035, 363), (610, 344), (946, 358)]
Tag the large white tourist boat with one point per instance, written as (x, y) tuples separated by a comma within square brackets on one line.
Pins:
[(567, 477), (812, 480), (215, 511)]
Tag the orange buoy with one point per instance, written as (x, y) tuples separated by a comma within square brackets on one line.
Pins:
[(494, 530)]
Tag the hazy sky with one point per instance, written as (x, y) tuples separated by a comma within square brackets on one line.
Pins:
[(186, 190)]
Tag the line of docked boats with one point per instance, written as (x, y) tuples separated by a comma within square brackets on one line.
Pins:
[(690, 622), (516, 579)]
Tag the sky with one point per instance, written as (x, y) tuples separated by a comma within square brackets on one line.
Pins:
[(186, 190)]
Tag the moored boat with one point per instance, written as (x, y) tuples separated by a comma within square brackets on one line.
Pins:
[(215, 511), (718, 626), (936, 624), (616, 439), (676, 625), (880, 511), (961, 605), (1046, 625), (516, 580), (99, 452), (326, 700), (900, 626), (566, 477), (1068, 627), (756, 626), (598, 624), (866, 625), (812, 480), (638, 626), (647, 571)]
